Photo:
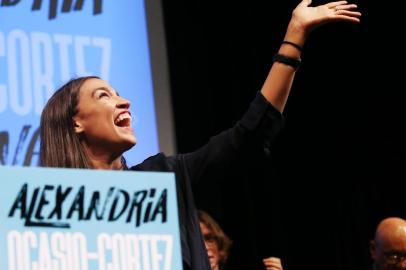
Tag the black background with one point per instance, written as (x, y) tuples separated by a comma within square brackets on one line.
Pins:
[(338, 166)]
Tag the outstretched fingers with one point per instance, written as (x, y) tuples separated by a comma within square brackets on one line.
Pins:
[(334, 4), (347, 18), (347, 13), (346, 7), (341, 11)]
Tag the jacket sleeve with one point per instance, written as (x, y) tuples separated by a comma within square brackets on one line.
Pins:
[(256, 130)]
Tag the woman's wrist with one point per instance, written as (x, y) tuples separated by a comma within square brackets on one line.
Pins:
[(296, 33)]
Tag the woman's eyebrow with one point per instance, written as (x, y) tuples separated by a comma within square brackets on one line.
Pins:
[(105, 89)]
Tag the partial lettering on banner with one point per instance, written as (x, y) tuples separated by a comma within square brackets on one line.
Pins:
[(71, 219), (32, 59), (57, 251)]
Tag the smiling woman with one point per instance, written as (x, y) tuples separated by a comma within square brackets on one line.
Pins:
[(86, 124), (103, 122), (93, 130)]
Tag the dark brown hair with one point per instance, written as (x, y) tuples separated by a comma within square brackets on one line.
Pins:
[(60, 145), (222, 240)]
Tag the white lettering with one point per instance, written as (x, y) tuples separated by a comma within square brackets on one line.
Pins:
[(58, 246), (37, 61), (42, 67), (44, 256), (63, 42), (156, 257), (14, 248), (145, 251), (80, 256), (20, 99), (118, 252), (3, 87), (103, 243), (80, 43), (105, 45), (69, 251), (168, 240), (29, 242), (133, 252)]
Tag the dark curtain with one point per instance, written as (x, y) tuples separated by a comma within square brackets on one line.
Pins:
[(338, 166)]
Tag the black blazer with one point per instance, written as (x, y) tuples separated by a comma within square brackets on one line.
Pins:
[(258, 127)]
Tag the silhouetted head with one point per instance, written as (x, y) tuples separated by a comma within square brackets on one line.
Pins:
[(388, 249)]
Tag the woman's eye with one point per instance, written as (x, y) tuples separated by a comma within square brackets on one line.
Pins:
[(103, 94)]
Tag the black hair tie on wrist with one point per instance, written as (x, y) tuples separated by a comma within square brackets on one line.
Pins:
[(293, 62), (300, 48)]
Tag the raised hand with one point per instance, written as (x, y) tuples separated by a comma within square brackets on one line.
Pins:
[(305, 18)]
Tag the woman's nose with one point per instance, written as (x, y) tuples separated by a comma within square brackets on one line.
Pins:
[(123, 103)]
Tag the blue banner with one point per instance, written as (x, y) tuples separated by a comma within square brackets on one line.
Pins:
[(66, 219), (45, 43)]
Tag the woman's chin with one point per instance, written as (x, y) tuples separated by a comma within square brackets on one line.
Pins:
[(129, 139), (131, 143), (125, 144)]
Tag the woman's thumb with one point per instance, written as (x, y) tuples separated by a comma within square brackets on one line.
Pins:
[(306, 2)]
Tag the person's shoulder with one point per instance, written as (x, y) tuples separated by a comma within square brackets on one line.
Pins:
[(157, 163)]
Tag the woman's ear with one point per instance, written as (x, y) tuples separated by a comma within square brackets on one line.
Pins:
[(77, 126)]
